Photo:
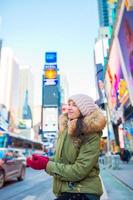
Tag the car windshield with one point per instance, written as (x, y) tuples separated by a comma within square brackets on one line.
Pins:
[(6, 153)]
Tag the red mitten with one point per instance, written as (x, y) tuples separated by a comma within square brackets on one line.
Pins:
[(36, 156), (29, 161), (37, 162)]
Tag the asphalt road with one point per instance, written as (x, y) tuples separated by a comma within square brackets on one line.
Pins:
[(36, 186)]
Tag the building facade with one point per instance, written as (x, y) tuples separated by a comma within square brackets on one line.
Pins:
[(103, 12), (119, 79), (26, 83)]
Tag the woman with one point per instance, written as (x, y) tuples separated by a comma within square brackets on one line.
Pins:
[(75, 164)]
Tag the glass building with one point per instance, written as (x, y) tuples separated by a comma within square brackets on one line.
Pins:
[(107, 12), (103, 12)]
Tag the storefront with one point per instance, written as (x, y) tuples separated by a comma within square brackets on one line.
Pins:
[(128, 128)]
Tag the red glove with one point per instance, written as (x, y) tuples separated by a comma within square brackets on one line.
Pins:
[(37, 162)]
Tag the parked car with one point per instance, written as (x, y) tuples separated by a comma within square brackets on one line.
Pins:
[(12, 165)]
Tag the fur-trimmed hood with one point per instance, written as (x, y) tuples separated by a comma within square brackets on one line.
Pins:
[(93, 123)]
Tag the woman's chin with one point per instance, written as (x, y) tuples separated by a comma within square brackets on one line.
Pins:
[(70, 117)]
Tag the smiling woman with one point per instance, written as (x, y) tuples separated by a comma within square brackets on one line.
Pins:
[(74, 166)]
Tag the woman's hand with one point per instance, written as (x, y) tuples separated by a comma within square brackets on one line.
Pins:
[(37, 162)]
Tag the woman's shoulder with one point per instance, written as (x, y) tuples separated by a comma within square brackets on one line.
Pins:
[(94, 123)]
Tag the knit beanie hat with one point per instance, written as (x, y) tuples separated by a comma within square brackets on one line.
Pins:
[(85, 104)]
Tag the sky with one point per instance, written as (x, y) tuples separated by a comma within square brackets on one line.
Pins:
[(33, 27)]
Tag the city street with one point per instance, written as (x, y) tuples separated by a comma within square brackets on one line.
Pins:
[(37, 185), (66, 100)]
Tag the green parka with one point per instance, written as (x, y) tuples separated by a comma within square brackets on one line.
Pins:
[(75, 164)]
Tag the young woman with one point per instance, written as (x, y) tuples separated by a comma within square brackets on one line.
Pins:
[(75, 166)]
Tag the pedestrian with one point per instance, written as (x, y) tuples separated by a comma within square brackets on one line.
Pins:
[(74, 167), (125, 155)]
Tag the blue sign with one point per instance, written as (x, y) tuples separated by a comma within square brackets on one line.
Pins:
[(53, 67), (50, 81), (50, 57)]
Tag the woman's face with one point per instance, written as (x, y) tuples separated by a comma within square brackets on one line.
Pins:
[(73, 111)]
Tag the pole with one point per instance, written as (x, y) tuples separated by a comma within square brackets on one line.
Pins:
[(108, 121), (42, 106)]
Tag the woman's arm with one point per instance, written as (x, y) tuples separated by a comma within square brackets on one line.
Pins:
[(86, 160)]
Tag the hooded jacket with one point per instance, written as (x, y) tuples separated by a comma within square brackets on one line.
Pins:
[(75, 164)]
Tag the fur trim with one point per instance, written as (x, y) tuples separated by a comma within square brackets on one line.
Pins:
[(93, 123), (63, 121)]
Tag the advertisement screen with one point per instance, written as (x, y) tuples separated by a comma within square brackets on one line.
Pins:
[(115, 83), (50, 57), (125, 37), (50, 95), (50, 119)]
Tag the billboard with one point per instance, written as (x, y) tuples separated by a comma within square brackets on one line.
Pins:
[(50, 95), (50, 74), (116, 86), (125, 41), (50, 66), (50, 57), (50, 119)]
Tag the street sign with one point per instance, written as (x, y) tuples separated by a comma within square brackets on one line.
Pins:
[(50, 81), (50, 57)]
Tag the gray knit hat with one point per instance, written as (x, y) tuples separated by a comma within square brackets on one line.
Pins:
[(85, 103)]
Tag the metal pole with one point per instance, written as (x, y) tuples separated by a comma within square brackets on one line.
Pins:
[(42, 106), (108, 121)]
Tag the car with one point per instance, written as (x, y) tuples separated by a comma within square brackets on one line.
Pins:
[(12, 165), (20, 154)]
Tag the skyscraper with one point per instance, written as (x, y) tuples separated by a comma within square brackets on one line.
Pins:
[(9, 81), (26, 108), (64, 89), (9, 78), (0, 47), (25, 84), (103, 12), (107, 12)]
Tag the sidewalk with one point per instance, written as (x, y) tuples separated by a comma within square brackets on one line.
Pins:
[(124, 174), (105, 195)]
